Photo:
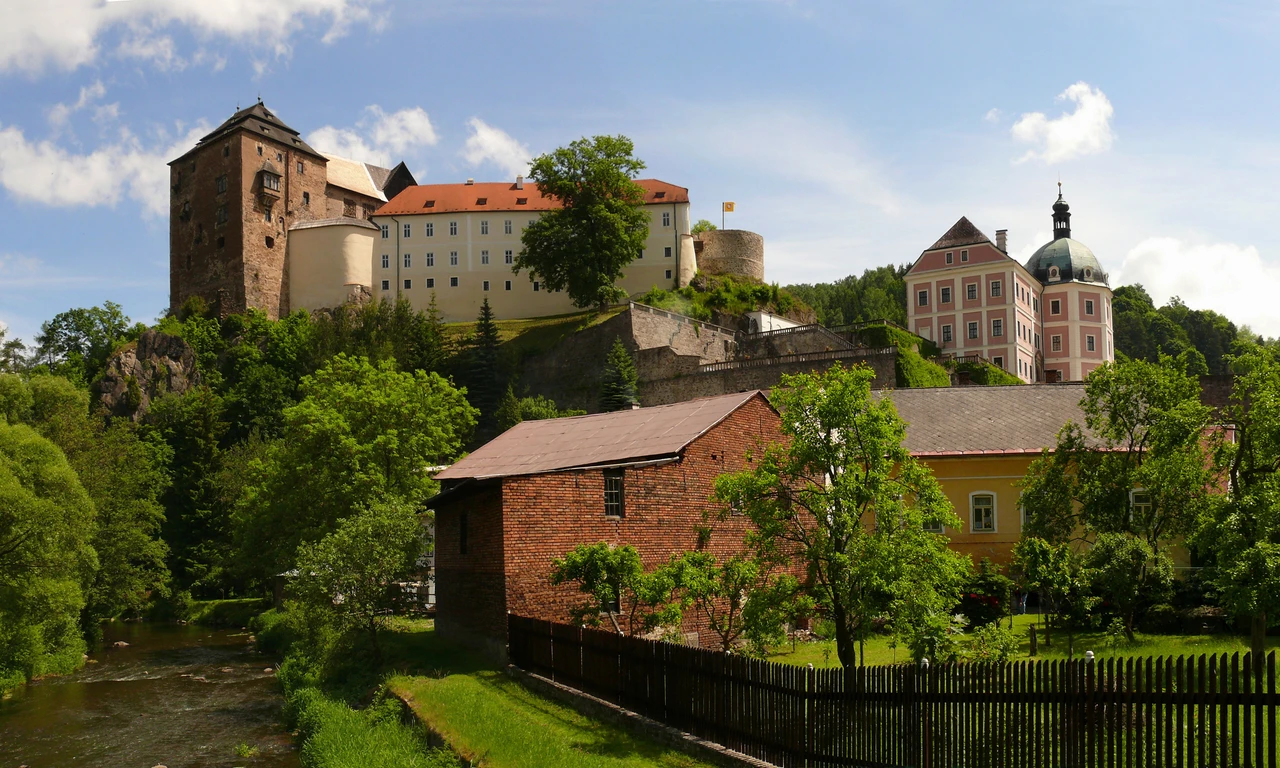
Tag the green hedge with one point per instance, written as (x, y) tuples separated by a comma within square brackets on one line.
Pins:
[(912, 370), (988, 374)]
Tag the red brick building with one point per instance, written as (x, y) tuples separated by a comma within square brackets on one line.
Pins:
[(642, 477)]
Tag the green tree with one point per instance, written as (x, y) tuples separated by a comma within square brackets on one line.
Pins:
[(46, 559), (484, 377), (703, 225), (619, 384), (739, 597), (12, 353), (351, 572), (842, 497), (1056, 573), (878, 294), (1240, 530), (599, 227), (77, 343), (361, 433), (513, 410), (617, 585), (1125, 569)]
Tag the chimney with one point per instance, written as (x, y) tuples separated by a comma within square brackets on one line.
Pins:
[(1002, 239), (519, 182), (470, 182)]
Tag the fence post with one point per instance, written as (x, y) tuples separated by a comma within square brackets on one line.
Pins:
[(924, 749), (811, 689)]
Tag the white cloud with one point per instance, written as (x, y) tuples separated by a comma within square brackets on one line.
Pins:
[(1086, 131), (378, 138), (993, 115), (66, 34), (160, 50), (60, 113), (1227, 278), (44, 172), (487, 144)]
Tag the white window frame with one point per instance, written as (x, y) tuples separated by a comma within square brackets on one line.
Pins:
[(1088, 307), (408, 261), (1090, 343), (453, 282), (431, 259), (1055, 343), (386, 261), (386, 231), (971, 292), (431, 282), (998, 361), (944, 294), (973, 329), (408, 231), (408, 284), (484, 257), (484, 226), (1055, 306), (453, 229), (951, 257), (997, 288), (997, 327), (666, 252), (666, 218), (973, 511), (386, 285), (964, 255), (508, 257), (506, 227), (1133, 503), (922, 298), (453, 258), (429, 229)]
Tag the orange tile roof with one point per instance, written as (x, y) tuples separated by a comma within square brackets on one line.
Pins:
[(502, 196)]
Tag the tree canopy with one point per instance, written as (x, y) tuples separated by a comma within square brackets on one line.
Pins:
[(600, 227)]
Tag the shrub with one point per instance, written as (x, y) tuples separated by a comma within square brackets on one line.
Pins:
[(987, 596), (1162, 619), (993, 642)]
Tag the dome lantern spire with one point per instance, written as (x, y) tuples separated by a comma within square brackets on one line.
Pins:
[(1061, 217)]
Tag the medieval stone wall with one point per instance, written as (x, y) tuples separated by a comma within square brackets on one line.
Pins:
[(732, 252), (758, 374), (792, 341)]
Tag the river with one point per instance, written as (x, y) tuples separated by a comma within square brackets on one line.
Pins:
[(183, 697)]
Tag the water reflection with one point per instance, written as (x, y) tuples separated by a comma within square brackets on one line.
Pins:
[(177, 696)]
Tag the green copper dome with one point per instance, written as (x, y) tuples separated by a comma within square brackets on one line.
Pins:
[(1073, 260)]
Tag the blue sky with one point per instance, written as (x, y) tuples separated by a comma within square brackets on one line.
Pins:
[(850, 134)]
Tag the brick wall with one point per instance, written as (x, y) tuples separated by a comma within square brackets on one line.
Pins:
[(680, 389), (470, 600)]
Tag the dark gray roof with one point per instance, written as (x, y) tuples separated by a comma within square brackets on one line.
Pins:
[(1071, 257), (260, 121), (959, 421), (961, 233), (378, 174), (344, 222)]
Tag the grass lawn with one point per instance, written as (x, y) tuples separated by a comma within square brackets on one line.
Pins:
[(487, 716), (535, 335), (879, 650)]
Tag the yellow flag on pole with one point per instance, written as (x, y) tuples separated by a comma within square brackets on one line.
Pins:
[(728, 207)]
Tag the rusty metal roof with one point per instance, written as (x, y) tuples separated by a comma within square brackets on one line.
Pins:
[(621, 437)]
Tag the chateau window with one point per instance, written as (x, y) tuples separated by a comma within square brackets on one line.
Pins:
[(453, 258), (484, 259), (1035, 303), (506, 227), (408, 284), (386, 285), (486, 286), (922, 298), (1037, 341), (431, 282), (1089, 343), (386, 231), (508, 256), (666, 219), (995, 287), (537, 286), (484, 227), (964, 255), (668, 274), (983, 509), (946, 333), (614, 494), (666, 252), (453, 229), (407, 231), (431, 259), (507, 287), (951, 257), (946, 296), (997, 327), (429, 229), (973, 330), (386, 261), (1055, 307), (1088, 307), (1055, 343), (1053, 273), (971, 291), (998, 362), (453, 282), (221, 183), (1088, 273), (408, 261)]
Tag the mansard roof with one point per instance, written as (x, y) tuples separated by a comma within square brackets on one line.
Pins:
[(961, 233)]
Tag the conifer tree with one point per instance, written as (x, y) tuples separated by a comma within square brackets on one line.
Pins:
[(485, 382), (620, 383)]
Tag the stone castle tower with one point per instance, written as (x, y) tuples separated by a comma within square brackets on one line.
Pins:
[(236, 195)]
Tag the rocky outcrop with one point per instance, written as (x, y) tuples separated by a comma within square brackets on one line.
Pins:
[(151, 367)]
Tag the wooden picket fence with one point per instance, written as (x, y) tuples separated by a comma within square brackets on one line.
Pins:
[(1186, 712)]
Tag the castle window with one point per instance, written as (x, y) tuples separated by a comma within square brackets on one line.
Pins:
[(453, 282), (484, 227), (995, 288), (271, 181), (453, 258), (951, 257), (973, 330), (429, 229), (946, 296), (946, 333), (279, 157), (614, 495), (971, 291), (220, 183), (386, 261), (1090, 344), (1088, 306), (386, 285), (1055, 343), (964, 256), (407, 231), (431, 259), (259, 150), (666, 219), (666, 252), (508, 256), (507, 287), (1055, 307), (222, 241), (506, 227), (431, 282), (922, 298), (484, 257), (306, 198), (221, 216), (453, 229), (266, 216), (270, 241), (998, 361), (668, 274), (386, 231), (997, 327), (349, 208), (408, 284), (300, 166), (408, 260), (486, 286), (226, 150), (982, 507)]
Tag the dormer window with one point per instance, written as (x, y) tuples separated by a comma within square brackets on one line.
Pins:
[(1053, 273), (1088, 273)]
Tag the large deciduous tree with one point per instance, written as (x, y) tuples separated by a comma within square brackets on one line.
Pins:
[(844, 498), (617, 586), (77, 343), (599, 228)]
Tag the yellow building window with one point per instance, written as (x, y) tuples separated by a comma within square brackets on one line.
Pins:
[(983, 508)]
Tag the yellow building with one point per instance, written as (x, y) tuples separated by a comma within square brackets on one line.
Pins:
[(457, 242)]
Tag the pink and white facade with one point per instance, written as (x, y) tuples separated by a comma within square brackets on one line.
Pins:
[(1049, 320)]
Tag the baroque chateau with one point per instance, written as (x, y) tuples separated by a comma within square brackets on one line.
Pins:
[(260, 219)]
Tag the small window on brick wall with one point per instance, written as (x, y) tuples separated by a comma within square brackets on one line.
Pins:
[(462, 533), (614, 496)]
